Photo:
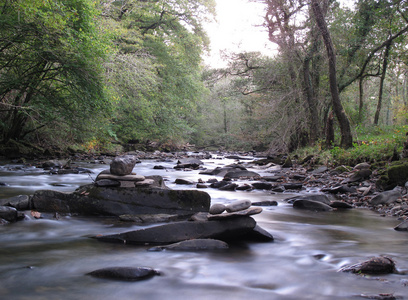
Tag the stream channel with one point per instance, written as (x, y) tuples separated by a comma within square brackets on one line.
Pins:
[(48, 258)]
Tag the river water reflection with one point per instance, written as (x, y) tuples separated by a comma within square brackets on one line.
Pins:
[(47, 259)]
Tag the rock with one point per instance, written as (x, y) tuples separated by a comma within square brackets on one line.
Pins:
[(288, 163), (219, 184), (134, 178), (272, 178), (186, 230), (262, 185), (244, 187), (320, 170), (361, 166), (114, 201), (8, 213), (403, 226), (246, 212), (122, 165), (265, 203), (217, 208), (340, 204), (292, 186), (236, 174), (20, 202), (229, 187), (194, 245), (149, 218), (358, 176), (201, 186), (125, 273), (107, 183), (238, 205), (258, 234), (311, 205), (188, 163), (342, 189), (312, 197), (183, 181), (375, 265), (386, 197)]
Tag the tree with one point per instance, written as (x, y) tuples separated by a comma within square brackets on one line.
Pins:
[(50, 66), (346, 136)]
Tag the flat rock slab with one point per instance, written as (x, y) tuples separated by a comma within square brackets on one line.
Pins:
[(116, 201), (185, 230), (125, 273), (246, 212), (194, 245), (129, 177)]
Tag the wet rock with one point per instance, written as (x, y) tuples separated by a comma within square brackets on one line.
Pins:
[(229, 187), (107, 183), (236, 174), (311, 205), (238, 205), (219, 184), (403, 226), (258, 234), (114, 201), (320, 170), (123, 165), (265, 203), (149, 218), (262, 185), (194, 245), (244, 187), (125, 273), (186, 230), (312, 197), (272, 178), (188, 163), (201, 186), (375, 265), (20, 202), (183, 181), (129, 177), (340, 204), (246, 212), (342, 189), (217, 208), (292, 186), (8, 213), (386, 197)]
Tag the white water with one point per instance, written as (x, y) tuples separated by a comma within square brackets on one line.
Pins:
[(47, 259)]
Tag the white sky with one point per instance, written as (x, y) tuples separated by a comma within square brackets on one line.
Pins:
[(235, 30)]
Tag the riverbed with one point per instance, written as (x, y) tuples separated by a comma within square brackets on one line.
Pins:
[(48, 258)]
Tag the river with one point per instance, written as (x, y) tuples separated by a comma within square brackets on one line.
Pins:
[(48, 259)]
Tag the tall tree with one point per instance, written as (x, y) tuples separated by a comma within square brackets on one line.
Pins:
[(346, 136)]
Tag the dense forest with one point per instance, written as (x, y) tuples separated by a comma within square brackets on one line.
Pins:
[(96, 74)]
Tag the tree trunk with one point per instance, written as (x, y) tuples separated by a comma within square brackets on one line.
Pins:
[(346, 137), (312, 103), (361, 99), (380, 94)]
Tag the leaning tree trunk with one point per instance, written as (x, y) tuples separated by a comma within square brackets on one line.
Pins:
[(346, 137)]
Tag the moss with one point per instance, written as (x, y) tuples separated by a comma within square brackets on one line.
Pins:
[(342, 169), (398, 174)]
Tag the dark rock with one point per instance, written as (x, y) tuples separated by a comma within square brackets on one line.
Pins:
[(190, 161), (278, 189), (149, 218), (20, 202), (342, 189), (375, 265), (185, 230), (229, 187), (107, 183), (201, 186), (403, 226), (265, 203), (113, 201), (238, 205), (3, 184), (386, 197), (159, 168), (8, 213), (340, 204), (194, 245), (244, 187), (272, 178), (258, 234), (125, 273), (219, 184), (123, 165), (183, 181), (262, 185), (359, 176), (313, 197), (292, 186), (311, 205), (236, 174), (288, 163), (217, 208)]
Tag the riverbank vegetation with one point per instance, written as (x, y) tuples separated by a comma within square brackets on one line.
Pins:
[(116, 75)]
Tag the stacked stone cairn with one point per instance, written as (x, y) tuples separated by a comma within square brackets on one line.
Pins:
[(120, 174)]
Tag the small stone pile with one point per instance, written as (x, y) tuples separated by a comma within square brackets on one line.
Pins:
[(219, 211), (120, 174)]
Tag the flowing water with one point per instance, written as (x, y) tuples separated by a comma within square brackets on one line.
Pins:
[(48, 259)]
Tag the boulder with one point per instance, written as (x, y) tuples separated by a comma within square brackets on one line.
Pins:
[(311, 205), (194, 245), (183, 181), (20, 202), (375, 265), (8, 213), (386, 197), (185, 230), (125, 273), (123, 165), (116, 201), (312, 197), (262, 185)]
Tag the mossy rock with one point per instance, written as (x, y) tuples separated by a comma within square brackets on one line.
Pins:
[(396, 174), (342, 169)]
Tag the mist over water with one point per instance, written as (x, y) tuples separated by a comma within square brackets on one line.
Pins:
[(48, 259)]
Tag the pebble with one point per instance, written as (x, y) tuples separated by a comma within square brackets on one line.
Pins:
[(238, 205)]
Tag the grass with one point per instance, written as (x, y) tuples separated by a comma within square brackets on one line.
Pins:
[(373, 145)]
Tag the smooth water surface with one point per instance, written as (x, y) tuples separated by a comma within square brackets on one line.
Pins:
[(48, 259)]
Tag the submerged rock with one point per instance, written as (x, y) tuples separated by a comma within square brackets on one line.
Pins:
[(125, 273), (311, 205)]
